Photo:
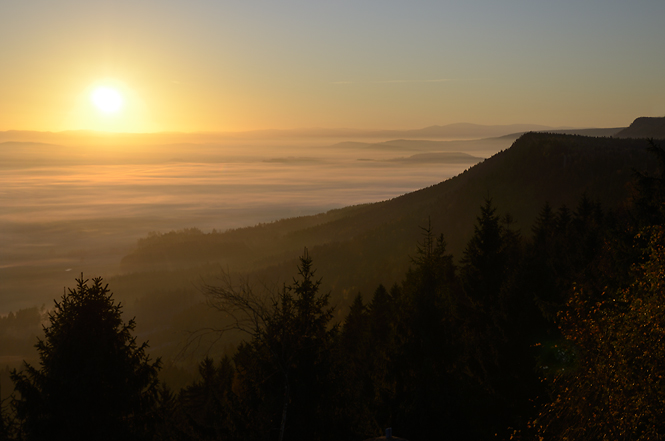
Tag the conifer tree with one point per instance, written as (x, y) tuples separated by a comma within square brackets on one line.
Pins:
[(483, 262), (94, 380), (208, 404), (286, 370)]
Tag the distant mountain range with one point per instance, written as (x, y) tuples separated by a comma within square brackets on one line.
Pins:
[(438, 157), (457, 131), (450, 131)]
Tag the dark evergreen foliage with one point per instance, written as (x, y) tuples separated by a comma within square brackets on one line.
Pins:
[(553, 335), (94, 380), (360, 247), (648, 203), (484, 263), (607, 381), (206, 409), (281, 384)]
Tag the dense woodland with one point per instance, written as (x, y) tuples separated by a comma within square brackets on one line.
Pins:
[(551, 332)]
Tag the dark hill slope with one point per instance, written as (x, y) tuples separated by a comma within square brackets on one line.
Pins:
[(612, 131), (357, 247), (538, 168), (645, 127)]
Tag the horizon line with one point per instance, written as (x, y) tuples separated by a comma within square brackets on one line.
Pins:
[(297, 129)]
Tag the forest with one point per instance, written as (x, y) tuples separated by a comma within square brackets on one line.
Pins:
[(552, 332)]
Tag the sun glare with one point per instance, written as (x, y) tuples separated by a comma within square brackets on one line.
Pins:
[(106, 99), (109, 105)]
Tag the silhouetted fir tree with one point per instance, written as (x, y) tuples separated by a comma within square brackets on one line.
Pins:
[(94, 380), (544, 226), (518, 324), (7, 428), (482, 273), (354, 336), (359, 355), (497, 354), (627, 228), (513, 252), (313, 364), (167, 423), (431, 284), (483, 262), (649, 203), (563, 219), (287, 370), (541, 269), (383, 317), (562, 250), (428, 345), (208, 408), (545, 281), (606, 375), (588, 223)]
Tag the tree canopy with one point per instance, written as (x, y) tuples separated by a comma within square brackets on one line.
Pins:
[(94, 380)]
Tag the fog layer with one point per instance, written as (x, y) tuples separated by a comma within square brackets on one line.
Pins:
[(68, 209)]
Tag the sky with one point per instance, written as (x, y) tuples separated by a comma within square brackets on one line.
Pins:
[(204, 65)]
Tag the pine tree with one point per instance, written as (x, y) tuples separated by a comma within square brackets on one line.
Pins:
[(299, 332), (483, 263), (495, 348), (285, 372), (94, 380), (207, 405)]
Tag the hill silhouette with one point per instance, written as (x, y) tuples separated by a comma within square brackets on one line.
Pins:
[(612, 131), (645, 127), (358, 247)]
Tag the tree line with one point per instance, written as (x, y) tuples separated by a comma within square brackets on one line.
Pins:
[(558, 335)]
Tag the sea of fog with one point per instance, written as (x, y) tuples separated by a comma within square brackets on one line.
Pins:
[(64, 217)]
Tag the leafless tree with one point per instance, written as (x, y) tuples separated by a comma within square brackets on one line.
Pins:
[(248, 310)]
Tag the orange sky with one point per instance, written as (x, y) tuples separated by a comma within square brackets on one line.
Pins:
[(220, 66)]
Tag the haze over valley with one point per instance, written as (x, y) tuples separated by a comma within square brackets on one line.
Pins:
[(273, 221), (78, 208)]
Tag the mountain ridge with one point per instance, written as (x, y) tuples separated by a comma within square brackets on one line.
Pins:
[(645, 127), (373, 241)]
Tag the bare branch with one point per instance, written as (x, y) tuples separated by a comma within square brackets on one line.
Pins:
[(244, 309), (247, 310)]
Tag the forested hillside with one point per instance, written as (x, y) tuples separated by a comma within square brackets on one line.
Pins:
[(645, 127), (519, 300), (358, 245)]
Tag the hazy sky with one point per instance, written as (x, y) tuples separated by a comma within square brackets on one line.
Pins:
[(213, 65)]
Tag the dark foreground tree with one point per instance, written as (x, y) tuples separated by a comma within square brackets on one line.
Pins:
[(285, 373), (94, 381), (612, 387)]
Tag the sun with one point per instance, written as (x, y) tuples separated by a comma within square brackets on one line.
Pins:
[(109, 105), (107, 99)]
